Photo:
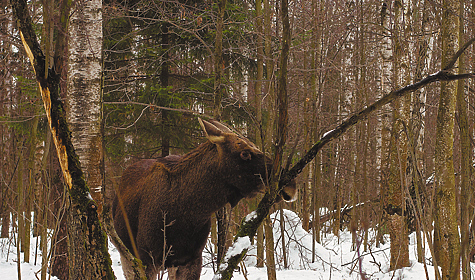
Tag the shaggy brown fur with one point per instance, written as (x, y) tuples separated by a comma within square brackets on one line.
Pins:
[(177, 195)]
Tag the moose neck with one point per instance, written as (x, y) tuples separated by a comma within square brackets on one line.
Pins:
[(201, 169)]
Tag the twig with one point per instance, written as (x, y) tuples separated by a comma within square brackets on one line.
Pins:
[(156, 107)]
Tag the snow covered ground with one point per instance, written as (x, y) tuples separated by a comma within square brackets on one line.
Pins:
[(334, 259)]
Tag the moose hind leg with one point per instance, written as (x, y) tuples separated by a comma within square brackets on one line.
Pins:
[(190, 271)]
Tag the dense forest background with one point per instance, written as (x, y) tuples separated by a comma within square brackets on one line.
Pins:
[(162, 67)]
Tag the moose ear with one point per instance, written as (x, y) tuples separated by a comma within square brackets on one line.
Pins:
[(221, 126), (213, 133)]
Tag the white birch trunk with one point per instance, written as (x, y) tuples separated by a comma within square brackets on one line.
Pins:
[(84, 91), (84, 117)]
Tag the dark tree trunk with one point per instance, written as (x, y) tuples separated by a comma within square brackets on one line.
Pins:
[(219, 89), (60, 265), (164, 79), (222, 220)]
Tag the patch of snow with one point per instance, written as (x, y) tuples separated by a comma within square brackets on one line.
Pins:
[(326, 133), (334, 257), (251, 216), (241, 244)]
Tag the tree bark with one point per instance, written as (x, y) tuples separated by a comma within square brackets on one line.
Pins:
[(218, 60), (258, 103), (270, 252), (94, 240), (84, 115), (84, 98), (219, 91), (29, 195), (416, 122), (465, 168), (446, 236), (317, 8), (165, 79), (384, 117), (394, 197), (59, 248), (21, 208)]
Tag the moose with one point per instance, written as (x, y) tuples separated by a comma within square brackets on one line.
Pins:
[(162, 208)]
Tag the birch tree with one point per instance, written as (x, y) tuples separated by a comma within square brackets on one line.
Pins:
[(84, 111), (384, 119), (84, 102)]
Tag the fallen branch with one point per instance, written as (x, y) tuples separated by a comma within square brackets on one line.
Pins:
[(343, 211)]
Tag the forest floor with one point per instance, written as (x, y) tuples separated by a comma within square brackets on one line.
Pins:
[(335, 258)]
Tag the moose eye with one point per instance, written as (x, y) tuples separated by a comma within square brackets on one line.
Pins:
[(246, 155)]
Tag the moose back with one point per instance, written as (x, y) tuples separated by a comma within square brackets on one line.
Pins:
[(162, 208)]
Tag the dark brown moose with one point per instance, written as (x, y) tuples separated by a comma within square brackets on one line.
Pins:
[(177, 195)]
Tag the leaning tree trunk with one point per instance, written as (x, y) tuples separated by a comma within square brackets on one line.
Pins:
[(249, 226), (93, 239), (446, 236)]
